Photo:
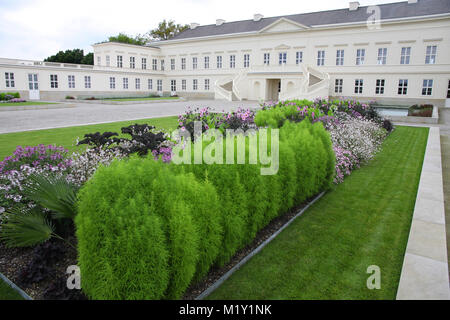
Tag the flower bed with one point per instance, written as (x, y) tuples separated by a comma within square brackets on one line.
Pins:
[(185, 218)]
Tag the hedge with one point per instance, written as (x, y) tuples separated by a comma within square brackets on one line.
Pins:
[(148, 230)]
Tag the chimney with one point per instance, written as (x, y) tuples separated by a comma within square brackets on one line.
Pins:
[(353, 6), (412, 1), (257, 17), (220, 22), (194, 25)]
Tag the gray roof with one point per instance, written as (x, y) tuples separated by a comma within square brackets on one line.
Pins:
[(388, 11)]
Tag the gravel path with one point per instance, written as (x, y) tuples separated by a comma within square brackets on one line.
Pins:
[(75, 114)]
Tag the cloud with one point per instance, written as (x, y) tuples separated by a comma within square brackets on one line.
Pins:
[(36, 29)]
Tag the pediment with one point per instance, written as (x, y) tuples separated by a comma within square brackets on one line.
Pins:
[(282, 47), (283, 25)]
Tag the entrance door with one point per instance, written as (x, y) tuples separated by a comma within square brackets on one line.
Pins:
[(33, 86), (273, 89), (447, 102)]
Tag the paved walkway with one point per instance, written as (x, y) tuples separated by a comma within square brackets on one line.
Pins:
[(444, 125), (74, 114)]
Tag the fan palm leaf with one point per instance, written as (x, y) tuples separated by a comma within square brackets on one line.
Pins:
[(23, 229), (54, 193)]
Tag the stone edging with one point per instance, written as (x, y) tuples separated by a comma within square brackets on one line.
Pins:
[(57, 105), (15, 287), (110, 102), (217, 284), (425, 267)]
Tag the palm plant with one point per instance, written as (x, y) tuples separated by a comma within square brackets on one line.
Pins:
[(28, 227)]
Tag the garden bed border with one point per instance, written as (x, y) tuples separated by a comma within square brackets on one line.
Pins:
[(14, 287), (219, 282), (424, 273)]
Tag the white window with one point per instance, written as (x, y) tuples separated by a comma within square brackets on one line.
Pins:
[(379, 87), (232, 61), (430, 57), (150, 84), (405, 55), (382, 56), (320, 57), (403, 86), (144, 63), (132, 62), (360, 56), (33, 83), (108, 61), (112, 82), (119, 61), (183, 63), (195, 84), (207, 82), (154, 64), (162, 64), (99, 61), (87, 82), (246, 60), (298, 57), (54, 81), (173, 85), (282, 58), (206, 60), (194, 63), (183, 84), (359, 84), (10, 82), (125, 83), (448, 90), (138, 84), (340, 57), (159, 85), (172, 64), (338, 84), (427, 89), (266, 59), (71, 79), (219, 62)]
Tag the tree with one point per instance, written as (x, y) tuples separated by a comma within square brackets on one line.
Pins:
[(167, 30), (75, 56), (124, 38), (88, 59)]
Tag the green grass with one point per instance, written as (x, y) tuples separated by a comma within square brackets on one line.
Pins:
[(27, 103), (7, 293), (141, 99), (364, 221), (66, 137)]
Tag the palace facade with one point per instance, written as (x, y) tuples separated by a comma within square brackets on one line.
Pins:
[(396, 53)]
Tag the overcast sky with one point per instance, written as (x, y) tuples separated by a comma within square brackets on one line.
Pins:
[(36, 29)]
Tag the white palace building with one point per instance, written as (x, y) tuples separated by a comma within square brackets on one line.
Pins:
[(393, 53)]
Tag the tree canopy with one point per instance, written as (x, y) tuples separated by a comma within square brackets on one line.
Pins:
[(124, 38), (167, 30), (75, 56)]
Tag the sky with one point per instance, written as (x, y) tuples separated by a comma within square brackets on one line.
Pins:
[(36, 29)]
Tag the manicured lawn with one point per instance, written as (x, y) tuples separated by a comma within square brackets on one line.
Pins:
[(27, 103), (67, 136), (7, 293), (143, 99), (362, 222)]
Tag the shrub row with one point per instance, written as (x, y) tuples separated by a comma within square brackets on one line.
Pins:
[(147, 229), (9, 95)]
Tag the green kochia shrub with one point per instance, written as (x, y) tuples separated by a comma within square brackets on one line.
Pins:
[(114, 210), (147, 230)]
